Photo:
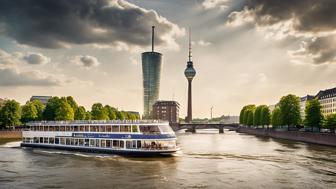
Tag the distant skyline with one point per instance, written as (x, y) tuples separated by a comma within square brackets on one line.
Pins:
[(244, 52)]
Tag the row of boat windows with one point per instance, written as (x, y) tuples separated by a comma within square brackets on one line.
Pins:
[(104, 143), (150, 129)]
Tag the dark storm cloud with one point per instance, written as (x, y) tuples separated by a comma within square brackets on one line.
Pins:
[(314, 20), (307, 15), (58, 23)]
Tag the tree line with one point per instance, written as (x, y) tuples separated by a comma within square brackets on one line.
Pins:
[(57, 108), (287, 113)]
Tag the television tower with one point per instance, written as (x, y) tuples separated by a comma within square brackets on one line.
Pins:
[(190, 73)]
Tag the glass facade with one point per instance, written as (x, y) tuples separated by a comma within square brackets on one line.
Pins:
[(151, 71)]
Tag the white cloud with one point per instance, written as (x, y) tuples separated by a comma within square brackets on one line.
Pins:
[(36, 58), (210, 4), (86, 61)]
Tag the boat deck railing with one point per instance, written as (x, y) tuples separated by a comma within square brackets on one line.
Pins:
[(82, 122)]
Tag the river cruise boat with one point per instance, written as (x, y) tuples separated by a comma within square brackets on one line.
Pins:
[(118, 137)]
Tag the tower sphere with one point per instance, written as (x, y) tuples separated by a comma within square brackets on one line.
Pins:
[(190, 72)]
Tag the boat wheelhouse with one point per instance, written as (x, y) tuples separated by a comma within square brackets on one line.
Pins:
[(141, 137)]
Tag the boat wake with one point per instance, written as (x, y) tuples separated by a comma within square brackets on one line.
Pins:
[(15, 144)]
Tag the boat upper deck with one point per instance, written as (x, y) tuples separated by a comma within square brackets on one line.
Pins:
[(97, 122)]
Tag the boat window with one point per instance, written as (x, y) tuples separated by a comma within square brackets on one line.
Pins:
[(109, 128), (57, 128), (56, 140), (121, 144), (149, 129), (108, 144), (134, 128), (72, 141), (93, 129), (45, 140), (81, 142), (115, 143), (52, 128), (67, 141), (86, 142), (128, 144), (131, 144), (103, 143), (138, 144), (51, 140), (36, 140), (125, 128), (63, 141), (87, 128), (62, 128), (81, 128), (76, 141), (92, 142), (45, 128), (115, 128), (102, 128), (166, 128), (97, 142), (75, 128)]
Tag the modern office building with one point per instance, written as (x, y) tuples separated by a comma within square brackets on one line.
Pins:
[(43, 99), (166, 110), (327, 99), (189, 73), (151, 71), (303, 102)]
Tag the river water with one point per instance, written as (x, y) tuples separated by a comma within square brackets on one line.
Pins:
[(206, 160)]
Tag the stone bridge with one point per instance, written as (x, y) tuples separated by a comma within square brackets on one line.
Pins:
[(191, 127)]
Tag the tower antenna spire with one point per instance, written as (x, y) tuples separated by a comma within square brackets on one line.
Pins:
[(190, 56), (153, 27)]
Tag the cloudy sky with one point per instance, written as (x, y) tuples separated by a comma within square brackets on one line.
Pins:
[(244, 51)]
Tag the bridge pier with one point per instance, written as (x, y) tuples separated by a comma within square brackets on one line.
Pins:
[(221, 129)]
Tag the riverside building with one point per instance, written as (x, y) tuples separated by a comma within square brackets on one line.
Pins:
[(166, 110), (327, 99), (42, 99)]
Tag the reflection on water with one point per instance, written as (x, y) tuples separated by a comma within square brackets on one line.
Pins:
[(206, 160)]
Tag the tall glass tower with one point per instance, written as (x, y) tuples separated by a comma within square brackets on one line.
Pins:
[(151, 71)]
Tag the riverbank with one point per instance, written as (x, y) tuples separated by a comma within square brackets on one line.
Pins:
[(10, 134), (309, 137)]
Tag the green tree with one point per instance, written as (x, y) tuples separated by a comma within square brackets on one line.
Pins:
[(10, 113), (313, 114), (98, 112), (111, 112), (257, 116), (276, 117), (290, 110), (64, 111), (80, 113), (72, 103), (49, 112), (243, 118), (241, 115), (121, 115), (265, 117), (39, 108), (330, 122), (88, 115), (29, 112), (250, 114)]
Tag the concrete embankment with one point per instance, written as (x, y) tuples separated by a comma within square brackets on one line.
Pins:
[(316, 138), (10, 134)]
